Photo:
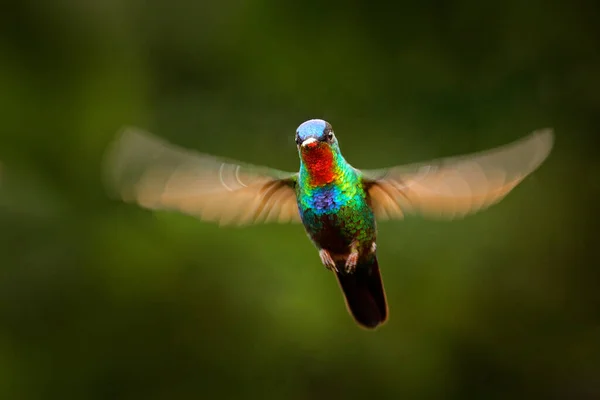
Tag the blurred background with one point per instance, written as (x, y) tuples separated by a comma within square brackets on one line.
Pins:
[(102, 300)]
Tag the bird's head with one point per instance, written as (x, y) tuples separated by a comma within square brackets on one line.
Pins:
[(315, 137), (319, 151)]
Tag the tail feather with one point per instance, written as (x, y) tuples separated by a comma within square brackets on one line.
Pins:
[(364, 293)]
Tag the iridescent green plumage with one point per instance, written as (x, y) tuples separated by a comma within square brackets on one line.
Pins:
[(338, 206)]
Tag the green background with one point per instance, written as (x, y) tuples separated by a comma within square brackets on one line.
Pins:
[(102, 300)]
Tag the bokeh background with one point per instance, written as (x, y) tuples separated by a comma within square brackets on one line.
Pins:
[(102, 300)]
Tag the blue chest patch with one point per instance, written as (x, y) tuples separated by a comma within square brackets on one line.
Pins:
[(323, 200)]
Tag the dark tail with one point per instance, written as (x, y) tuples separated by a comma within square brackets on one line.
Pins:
[(364, 293)]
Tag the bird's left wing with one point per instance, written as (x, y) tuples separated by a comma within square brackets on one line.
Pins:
[(456, 186), (143, 169)]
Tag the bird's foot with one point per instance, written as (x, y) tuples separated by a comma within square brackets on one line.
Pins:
[(351, 262), (327, 260)]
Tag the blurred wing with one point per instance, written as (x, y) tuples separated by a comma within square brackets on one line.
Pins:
[(143, 169), (454, 187)]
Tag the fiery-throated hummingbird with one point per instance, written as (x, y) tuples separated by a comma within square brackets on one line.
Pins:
[(337, 203)]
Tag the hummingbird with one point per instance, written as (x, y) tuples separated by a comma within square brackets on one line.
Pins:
[(338, 205)]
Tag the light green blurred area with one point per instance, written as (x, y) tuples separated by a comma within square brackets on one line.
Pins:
[(102, 300)]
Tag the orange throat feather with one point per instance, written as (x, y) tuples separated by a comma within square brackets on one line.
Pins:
[(320, 165)]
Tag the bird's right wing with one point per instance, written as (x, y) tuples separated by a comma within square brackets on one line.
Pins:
[(143, 169), (456, 186)]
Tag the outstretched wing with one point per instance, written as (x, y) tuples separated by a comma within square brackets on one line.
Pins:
[(143, 169), (454, 187)]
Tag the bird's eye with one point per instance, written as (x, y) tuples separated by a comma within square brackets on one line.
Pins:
[(330, 136), (298, 140)]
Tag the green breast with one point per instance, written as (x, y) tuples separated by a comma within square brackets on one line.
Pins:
[(336, 215)]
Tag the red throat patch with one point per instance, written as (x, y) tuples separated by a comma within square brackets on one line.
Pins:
[(319, 162)]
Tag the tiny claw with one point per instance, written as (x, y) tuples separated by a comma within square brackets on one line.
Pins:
[(351, 262), (327, 260)]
